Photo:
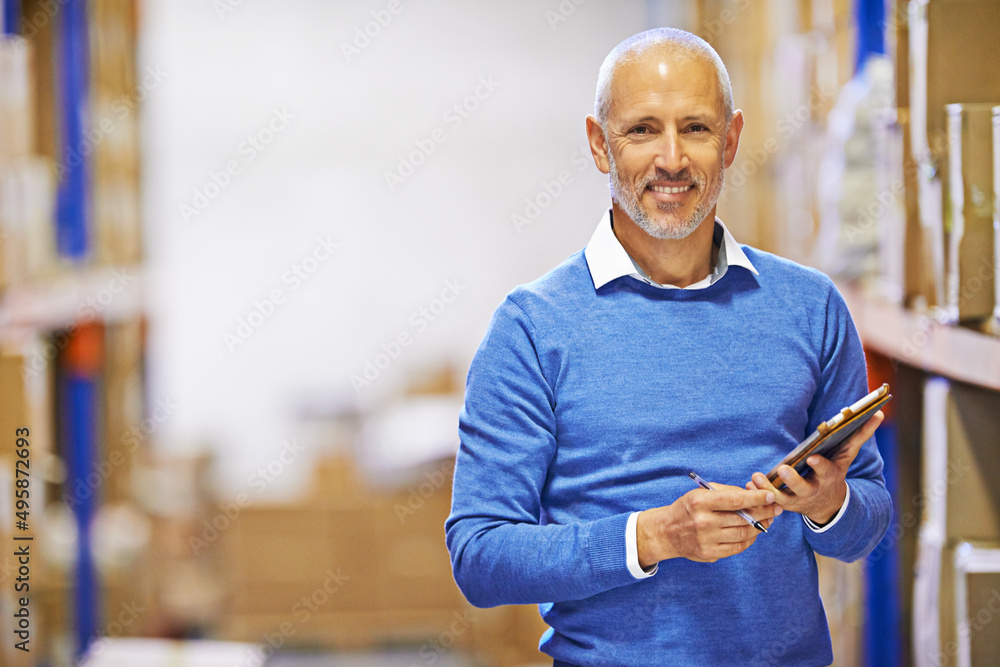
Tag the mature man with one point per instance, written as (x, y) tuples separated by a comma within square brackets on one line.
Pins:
[(662, 348)]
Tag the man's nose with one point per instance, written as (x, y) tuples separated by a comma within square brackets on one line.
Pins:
[(670, 153)]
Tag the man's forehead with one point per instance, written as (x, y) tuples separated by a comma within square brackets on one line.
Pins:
[(657, 80)]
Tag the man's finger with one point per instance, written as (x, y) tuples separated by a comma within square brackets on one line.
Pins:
[(760, 481), (727, 537), (822, 466), (859, 438), (868, 430), (794, 481), (728, 498)]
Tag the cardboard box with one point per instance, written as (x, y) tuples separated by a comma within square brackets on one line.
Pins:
[(115, 106), (977, 603), (957, 604), (971, 270), (335, 592), (950, 45), (508, 635), (40, 31), (951, 42), (898, 33), (336, 484), (920, 282), (961, 502), (14, 414), (16, 113), (432, 631), (369, 566), (127, 430), (960, 496), (27, 219)]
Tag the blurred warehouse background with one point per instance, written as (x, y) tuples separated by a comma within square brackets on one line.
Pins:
[(248, 250)]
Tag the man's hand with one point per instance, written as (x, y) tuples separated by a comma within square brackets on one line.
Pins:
[(702, 525), (822, 495)]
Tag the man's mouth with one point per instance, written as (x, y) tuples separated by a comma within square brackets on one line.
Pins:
[(671, 190)]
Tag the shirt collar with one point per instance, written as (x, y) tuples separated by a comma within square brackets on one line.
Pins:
[(607, 259)]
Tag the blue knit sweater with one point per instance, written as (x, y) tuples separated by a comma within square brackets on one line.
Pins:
[(585, 405)]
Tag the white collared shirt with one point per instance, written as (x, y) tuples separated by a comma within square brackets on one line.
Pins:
[(607, 260)]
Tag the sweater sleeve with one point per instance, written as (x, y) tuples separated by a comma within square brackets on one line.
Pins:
[(843, 380), (501, 552)]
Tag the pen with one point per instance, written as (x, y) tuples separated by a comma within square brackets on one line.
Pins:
[(746, 517)]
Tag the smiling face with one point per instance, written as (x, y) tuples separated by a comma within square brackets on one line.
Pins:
[(666, 142)]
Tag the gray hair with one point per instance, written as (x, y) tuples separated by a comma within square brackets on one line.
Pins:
[(681, 44)]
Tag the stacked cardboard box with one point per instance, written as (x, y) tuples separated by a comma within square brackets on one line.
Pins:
[(180, 588), (355, 566), (971, 260), (32, 161), (16, 126), (27, 186), (127, 430), (950, 45), (961, 503), (977, 603), (117, 94)]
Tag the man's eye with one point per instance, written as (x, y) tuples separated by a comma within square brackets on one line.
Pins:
[(697, 127), (642, 129)]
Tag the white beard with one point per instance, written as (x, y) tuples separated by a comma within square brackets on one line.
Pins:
[(667, 226)]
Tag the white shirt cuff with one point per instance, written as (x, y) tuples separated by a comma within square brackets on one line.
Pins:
[(632, 549), (817, 529)]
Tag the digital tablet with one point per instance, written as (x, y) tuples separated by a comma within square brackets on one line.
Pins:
[(832, 434)]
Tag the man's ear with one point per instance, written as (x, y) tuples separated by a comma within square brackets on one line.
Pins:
[(733, 138), (598, 145)]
